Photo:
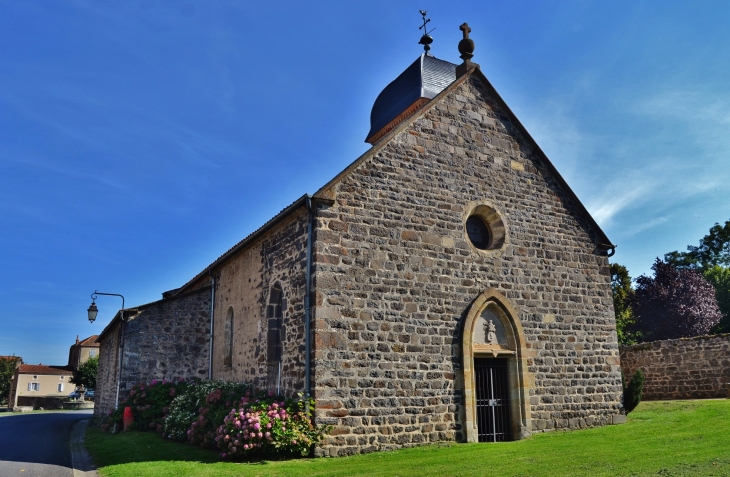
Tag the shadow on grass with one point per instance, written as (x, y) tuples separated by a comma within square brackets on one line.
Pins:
[(135, 446)]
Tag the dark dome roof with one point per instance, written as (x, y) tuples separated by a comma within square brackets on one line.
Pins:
[(425, 78)]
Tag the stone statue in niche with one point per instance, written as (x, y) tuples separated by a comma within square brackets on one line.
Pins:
[(491, 332)]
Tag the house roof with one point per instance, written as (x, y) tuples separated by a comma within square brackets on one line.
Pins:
[(43, 369), (91, 341)]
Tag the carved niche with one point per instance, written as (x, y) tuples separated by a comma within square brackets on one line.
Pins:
[(489, 333)]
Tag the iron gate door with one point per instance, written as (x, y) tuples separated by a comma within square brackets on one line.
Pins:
[(493, 416)]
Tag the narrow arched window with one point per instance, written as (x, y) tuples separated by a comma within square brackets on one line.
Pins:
[(228, 339), (275, 324)]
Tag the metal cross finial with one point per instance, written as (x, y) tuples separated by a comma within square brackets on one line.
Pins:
[(426, 39), (465, 30)]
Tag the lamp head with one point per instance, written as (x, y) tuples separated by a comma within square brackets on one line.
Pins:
[(92, 311)]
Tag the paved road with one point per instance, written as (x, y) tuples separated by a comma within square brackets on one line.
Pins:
[(37, 444)]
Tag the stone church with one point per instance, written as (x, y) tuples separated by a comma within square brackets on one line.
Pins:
[(448, 285)]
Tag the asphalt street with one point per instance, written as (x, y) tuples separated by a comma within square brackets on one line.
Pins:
[(37, 444)]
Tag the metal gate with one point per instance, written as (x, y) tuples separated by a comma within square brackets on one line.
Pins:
[(493, 416)]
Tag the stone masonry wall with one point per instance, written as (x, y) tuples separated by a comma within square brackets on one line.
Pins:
[(167, 339), (395, 274), (244, 284), (688, 368), (106, 376)]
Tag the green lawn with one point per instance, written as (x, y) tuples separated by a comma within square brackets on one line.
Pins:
[(669, 438)]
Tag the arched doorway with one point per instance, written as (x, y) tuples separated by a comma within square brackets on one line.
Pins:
[(496, 381)]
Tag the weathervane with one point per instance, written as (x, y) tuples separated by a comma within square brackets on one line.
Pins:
[(426, 39)]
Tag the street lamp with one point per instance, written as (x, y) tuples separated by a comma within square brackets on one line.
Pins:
[(92, 312)]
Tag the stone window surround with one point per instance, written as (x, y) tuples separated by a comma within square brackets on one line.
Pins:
[(228, 339), (519, 378), (493, 219), (275, 324)]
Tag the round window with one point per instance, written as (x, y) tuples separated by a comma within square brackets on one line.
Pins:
[(484, 228), (478, 232)]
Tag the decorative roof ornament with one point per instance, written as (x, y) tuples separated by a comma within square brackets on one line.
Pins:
[(426, 39), (466, 48)]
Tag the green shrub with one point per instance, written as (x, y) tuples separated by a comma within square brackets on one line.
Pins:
[(149, 402), (632, 391), (269, 426), (187, 406)]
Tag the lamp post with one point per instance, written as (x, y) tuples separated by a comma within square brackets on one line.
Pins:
[(92, 312)]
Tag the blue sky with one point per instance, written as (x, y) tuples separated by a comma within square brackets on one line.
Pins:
[(140, 140)]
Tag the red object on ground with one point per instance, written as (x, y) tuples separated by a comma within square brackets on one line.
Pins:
[(127, 417)]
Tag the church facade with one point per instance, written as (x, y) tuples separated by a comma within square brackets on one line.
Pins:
[(448, 285)]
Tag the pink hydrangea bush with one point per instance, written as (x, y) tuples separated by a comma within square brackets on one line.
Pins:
[(269, 426), (213, 409)]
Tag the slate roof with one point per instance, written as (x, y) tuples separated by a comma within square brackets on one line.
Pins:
[(43, 369), (425, 78)]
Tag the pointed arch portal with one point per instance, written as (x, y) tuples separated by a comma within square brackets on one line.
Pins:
[(496, 381)]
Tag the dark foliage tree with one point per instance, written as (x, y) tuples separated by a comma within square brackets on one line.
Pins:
[(85, 375), (7, 371), (633, 390), (719, 277), (674, 303), (714, 249), (622, 295)]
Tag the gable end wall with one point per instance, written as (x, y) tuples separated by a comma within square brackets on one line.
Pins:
[(395, 275)]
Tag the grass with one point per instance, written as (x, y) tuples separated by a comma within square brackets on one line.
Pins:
[(667, 438)]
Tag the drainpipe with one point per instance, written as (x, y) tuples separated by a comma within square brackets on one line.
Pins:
[(210, 340), (121, 354), (307, 304)]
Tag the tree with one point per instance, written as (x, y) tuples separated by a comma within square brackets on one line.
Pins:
[(633, 390), (675, 303), (719, 277), (85, 375), (714, 249), (8, 364), (622, 295)]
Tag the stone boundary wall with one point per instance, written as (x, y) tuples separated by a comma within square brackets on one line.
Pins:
[(687, 368), (37, 402)]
